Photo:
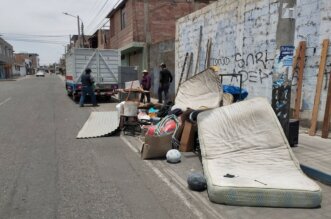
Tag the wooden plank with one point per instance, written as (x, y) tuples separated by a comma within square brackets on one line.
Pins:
[(187, 139), (198, 53), (327, 114), (207, 46), (209, 53), (312, 130), (182, 73), (300, 60), (189, 66)]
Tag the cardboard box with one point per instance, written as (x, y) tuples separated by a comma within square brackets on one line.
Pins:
[(156, 146), (187, 139)]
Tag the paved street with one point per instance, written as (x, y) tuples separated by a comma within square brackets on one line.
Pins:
[(45, 172)]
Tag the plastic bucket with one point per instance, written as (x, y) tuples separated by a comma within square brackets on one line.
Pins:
[(130, 108)]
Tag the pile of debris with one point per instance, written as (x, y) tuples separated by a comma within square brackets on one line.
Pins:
[(245, 154), (173, 125)]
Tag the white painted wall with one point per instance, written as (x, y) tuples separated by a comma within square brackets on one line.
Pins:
[(243, 34), (313, 24), (19, 70)]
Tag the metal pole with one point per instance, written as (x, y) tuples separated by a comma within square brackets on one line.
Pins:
[(79, 40)]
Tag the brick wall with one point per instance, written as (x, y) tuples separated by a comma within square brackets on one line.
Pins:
[(161, 16), (243, 35), (313, 24), (121, 37), (20, 58)]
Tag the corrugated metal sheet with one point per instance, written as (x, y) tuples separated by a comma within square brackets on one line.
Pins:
[(99, 124)]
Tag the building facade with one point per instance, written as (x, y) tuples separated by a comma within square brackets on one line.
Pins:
[(100, 39), (144, 32), (6, 59), (29, 60)]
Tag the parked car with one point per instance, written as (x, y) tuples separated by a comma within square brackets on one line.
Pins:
[(40, 74)]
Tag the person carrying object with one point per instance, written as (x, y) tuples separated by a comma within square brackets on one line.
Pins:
[(87, 88), (165, 80), (146, 83)]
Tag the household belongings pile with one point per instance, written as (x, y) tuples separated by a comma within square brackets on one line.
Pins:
[(247, 159), (201, 91), (245, 154)]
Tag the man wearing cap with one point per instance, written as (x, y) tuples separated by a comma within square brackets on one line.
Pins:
[(165, 80), (87, 88), (146, 85)]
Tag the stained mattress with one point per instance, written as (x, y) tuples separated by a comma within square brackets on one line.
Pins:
[(248, 161)]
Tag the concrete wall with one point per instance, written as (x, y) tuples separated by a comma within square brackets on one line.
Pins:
[(163, 52), (243, 35), (313, 24), (19, 70), (246, 35)]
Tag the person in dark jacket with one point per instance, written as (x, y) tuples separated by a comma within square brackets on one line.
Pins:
[(87, 88), (165, 80), (146, 83)]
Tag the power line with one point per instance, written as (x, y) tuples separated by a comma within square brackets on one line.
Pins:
[(94, 10), (35, 41), (101, 24), (97, 14), (33, 35)]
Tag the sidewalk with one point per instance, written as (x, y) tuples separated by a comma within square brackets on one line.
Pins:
[(175, 177), (313, 153)]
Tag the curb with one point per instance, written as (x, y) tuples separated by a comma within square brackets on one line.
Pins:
[(324, 178), (3, 80)]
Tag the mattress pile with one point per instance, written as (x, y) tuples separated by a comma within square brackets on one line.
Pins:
[(248, 161)]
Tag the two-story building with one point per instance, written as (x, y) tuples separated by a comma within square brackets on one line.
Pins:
[(6, 59), (144, 32), (29, 60)]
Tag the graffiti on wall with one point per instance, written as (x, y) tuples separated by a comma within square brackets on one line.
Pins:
[(254, 67)]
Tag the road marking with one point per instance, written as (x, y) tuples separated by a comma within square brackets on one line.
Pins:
[(167, 182), (5, 101)]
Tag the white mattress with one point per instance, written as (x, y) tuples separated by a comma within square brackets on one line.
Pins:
[(201, 91), (245, 140)]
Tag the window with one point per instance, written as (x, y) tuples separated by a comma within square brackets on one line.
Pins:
[(123, 18), (112, 28)]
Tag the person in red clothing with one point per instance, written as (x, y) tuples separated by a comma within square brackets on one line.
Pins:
[(146, 83)]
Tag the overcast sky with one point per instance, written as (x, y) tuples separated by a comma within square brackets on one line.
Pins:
[(22, 22)]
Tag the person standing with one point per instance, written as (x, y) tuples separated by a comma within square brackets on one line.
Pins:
[(146, 83), (165, 80), (87, 88)]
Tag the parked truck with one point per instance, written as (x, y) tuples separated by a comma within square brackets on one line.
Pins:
[(104, 65)]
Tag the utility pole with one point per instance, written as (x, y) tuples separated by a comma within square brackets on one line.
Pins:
[(79, 38), (78, 25), (83, 37)]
